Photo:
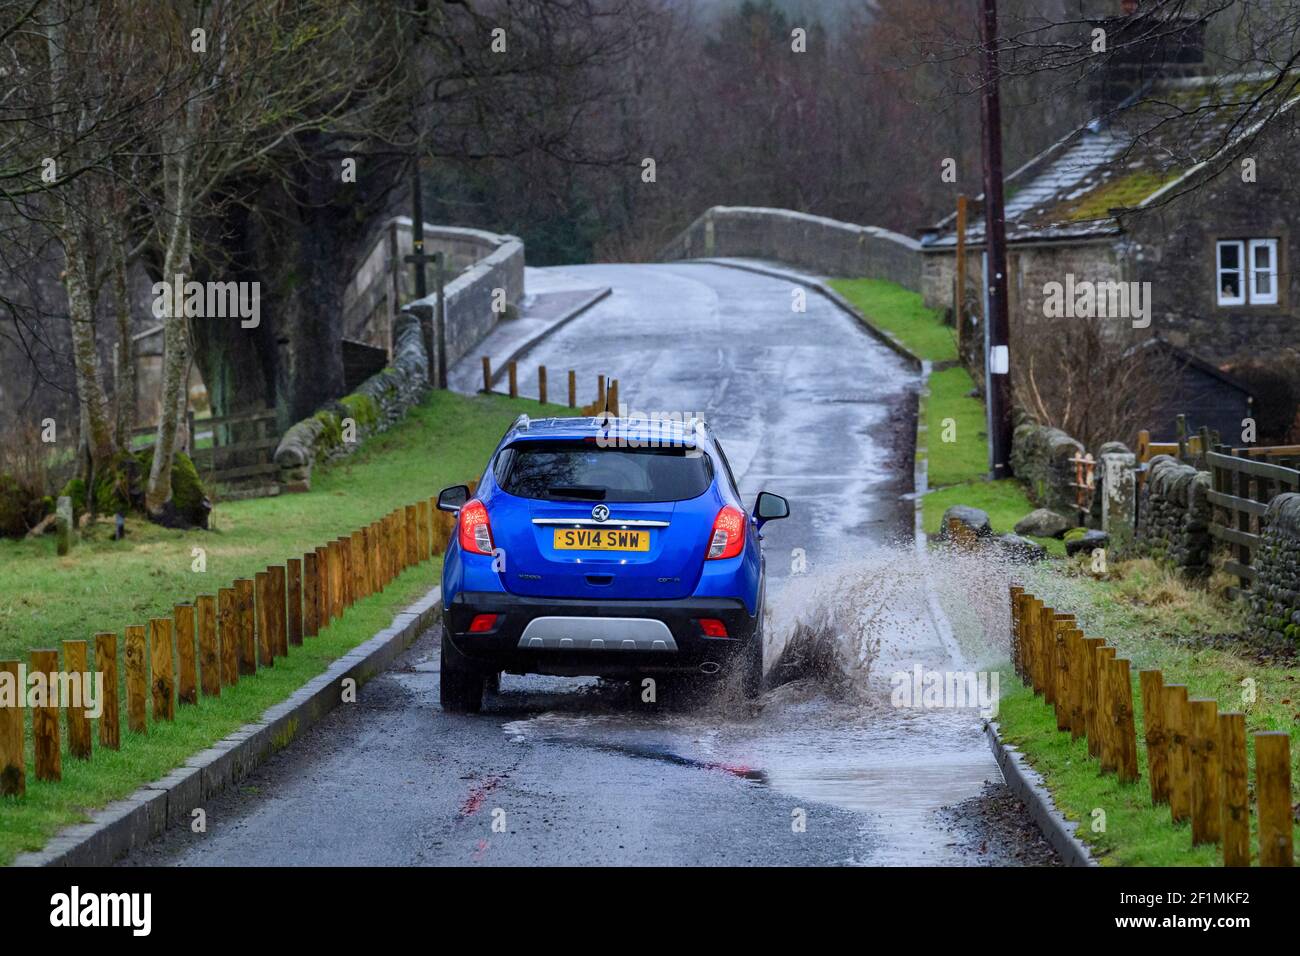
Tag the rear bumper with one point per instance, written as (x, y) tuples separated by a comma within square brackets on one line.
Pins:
[(617, 639)]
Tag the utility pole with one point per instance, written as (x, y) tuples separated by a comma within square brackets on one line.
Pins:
[(997, 359)]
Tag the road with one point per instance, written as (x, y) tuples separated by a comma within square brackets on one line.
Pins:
[(822, 770)]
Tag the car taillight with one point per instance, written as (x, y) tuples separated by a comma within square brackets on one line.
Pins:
[(728, 533), (475, 530), (712, 627), (482, 623)]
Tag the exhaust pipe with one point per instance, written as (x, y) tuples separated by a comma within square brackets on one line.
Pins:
[(710, 667)]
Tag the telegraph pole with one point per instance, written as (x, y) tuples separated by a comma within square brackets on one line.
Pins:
[(997, 359)]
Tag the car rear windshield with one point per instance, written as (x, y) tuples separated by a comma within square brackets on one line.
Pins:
[(583, 471)]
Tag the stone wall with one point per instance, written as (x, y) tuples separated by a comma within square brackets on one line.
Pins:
[(488, 262), (478, 263), (823, 246), (1040, 457), (1174, 515), (340, 427), (1275, 597)]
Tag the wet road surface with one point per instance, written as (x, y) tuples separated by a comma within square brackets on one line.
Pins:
[(822, 770)]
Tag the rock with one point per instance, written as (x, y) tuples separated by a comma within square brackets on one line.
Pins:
[(1086, 542), (1043, 523), (1021, 550), (970, 521)]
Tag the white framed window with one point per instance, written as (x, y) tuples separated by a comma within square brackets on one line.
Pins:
[(1230, 271), (1246, 272), (1263, 271)]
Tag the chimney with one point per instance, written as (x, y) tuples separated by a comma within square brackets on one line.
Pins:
[(1142, 48)]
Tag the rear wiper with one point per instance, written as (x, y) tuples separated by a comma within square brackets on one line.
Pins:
[(584, 492)]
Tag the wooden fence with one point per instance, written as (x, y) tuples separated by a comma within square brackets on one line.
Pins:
[(1241, 488), (242, 447), (211, 644), (1196, 755), (606, 397)]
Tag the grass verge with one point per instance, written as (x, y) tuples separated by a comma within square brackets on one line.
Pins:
[(105, 585), (1156, 621), (902, 314)]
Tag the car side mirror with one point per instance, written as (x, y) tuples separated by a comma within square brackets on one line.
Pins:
[(770, 507), (453, 498)]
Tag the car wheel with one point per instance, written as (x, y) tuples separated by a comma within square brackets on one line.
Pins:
[(460, 684)]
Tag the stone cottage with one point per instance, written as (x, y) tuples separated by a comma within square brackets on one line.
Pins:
[(1188, 182)]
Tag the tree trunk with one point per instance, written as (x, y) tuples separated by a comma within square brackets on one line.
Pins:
[(176, 359), (89, 374), (125, 396)]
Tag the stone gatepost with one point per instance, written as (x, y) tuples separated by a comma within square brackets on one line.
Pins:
[(709, 236), (64, 524), (1119, 499)]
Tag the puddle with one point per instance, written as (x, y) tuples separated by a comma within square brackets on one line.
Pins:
[(829, 733)]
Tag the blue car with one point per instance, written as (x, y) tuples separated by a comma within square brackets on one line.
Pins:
[(607, 547)]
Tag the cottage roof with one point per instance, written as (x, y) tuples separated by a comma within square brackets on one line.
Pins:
[(1170, 131)]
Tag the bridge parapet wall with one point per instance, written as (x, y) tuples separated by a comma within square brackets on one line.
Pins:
[(822, 246)]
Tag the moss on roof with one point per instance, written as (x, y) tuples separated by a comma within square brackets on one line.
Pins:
[(1123, 192)]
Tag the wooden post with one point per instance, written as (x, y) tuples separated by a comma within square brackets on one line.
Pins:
[(959, 299), (345, 572), (295, 601), (1106, 751), (601, 404), (336, 580), (13, 762), (1078, 682), (187, 676), (376, 544), (1061, 626), (1234, 822), (280, 619), (228, 639), (365, 573), (422, 532), (324, 610), (310, 595), (541, 384), (1047, 640), (1029, 639), (358, 554), (137, 678), (162, 652), (514, 380), (613, 398), (573, 389), (45, 717), (1015, 592), (74, 662), (487, 374), (110, 728), (1207, 772), (209, 648), (1178, 729), (246, 589), (1273, 796), (1153, 721), (1125, 726), (262, 619), (1091, 729), (412, 536)]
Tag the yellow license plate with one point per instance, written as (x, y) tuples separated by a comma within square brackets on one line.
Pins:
[(601, 539)]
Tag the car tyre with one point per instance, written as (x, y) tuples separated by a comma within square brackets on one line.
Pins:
[(460, 684)]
